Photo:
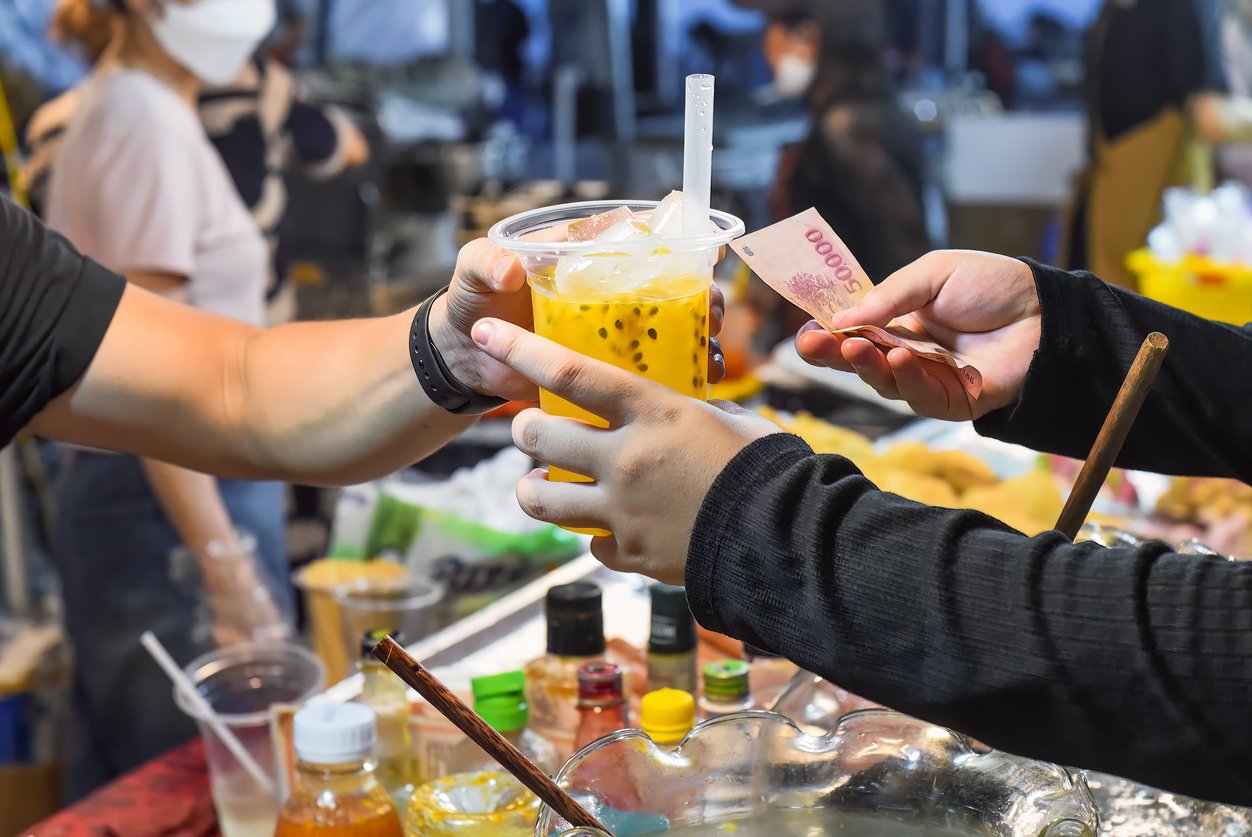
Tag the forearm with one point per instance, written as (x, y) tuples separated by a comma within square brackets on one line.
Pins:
[(194, 505), (1132, 662), (353, 411), (1222, 119), (333, 402), (1090, 335)]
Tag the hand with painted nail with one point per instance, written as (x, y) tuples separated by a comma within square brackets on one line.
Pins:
[(981, 306), (490, 282), (652, 467)]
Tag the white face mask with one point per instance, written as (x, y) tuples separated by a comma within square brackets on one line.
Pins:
[(213, 39), (793, 75)]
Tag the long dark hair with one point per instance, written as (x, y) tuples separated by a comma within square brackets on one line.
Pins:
[(850, 64)]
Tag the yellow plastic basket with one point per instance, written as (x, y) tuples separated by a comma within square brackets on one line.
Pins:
[(1210, 289)]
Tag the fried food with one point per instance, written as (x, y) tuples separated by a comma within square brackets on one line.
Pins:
[(957, 468), (824, 437), (1030, 503)]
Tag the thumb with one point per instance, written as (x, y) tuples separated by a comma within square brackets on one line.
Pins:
[(482, 267), (909, 289)]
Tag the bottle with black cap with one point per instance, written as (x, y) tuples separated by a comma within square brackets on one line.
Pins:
[(575, 616), (672, 641)]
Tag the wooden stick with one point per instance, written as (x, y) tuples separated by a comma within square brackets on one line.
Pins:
[(1113, 434), (393, 655)]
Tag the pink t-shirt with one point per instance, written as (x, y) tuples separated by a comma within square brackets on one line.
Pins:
[(138, 187)]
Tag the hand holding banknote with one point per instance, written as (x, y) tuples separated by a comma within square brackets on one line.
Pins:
[(807, 263), (981, 307)]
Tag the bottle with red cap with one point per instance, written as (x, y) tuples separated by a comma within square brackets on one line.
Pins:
[(601, 702)]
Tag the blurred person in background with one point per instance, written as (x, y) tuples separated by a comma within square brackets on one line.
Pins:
[(501, 32), (261, 123), (1234, 162), (861, 165), (135, 182), (1154, 104)]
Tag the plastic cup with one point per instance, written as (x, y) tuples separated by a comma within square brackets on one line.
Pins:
[(411, 606), (318, 582), (241, 683), (643, 307)]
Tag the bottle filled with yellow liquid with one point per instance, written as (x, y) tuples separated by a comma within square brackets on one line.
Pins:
[(620, 282), (336, 793)]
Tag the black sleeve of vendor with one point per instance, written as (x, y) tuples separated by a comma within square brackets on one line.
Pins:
[(1195, 419), (55, 306), (1135, 662)]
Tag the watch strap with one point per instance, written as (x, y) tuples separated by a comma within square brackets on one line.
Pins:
[(439, 384)]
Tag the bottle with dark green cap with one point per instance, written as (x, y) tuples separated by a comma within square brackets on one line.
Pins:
[(500, 700), (726, 689)]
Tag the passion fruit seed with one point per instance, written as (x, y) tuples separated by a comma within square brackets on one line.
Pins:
[(604, 333), (652, 333)]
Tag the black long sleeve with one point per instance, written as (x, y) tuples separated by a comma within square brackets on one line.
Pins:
[(1195, 420), (1133, 662)]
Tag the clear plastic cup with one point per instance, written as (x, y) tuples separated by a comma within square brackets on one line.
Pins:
[(411, 606), (641, 305), (241, 683), (318, 583)]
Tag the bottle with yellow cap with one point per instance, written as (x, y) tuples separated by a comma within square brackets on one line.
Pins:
[(500, 700), (667, 715)]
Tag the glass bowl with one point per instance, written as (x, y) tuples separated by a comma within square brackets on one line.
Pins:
[(877, 773)]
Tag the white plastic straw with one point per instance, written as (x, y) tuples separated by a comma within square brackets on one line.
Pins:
[(188, 689), (698, 155)]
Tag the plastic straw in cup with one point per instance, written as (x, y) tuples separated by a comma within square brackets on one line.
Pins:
[(188, 689), (698, 155)]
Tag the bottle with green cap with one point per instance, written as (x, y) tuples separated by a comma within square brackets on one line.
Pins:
[(388, 696), (500, 700), (667, 715), (726, 689)]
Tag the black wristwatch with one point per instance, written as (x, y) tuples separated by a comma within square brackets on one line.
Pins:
[(440, 384)]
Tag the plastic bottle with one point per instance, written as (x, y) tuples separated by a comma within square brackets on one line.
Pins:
[(667, 715), (387, 695), (601, 702), (726, 689), (672, 641), (575, 617), (769, 674), (500, 700), (335, 793)]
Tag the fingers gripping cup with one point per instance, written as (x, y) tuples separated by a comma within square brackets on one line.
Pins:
[(619, 281)]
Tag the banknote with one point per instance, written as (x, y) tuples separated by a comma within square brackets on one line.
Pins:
[(808, 264)]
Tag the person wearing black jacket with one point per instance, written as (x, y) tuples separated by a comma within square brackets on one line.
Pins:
[(1136, 662)]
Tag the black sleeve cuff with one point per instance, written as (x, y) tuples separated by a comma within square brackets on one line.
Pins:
[(719, 526), (1048, 385), (88, 313)]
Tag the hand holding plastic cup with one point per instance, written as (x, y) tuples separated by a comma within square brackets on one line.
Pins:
[(620, 282)]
